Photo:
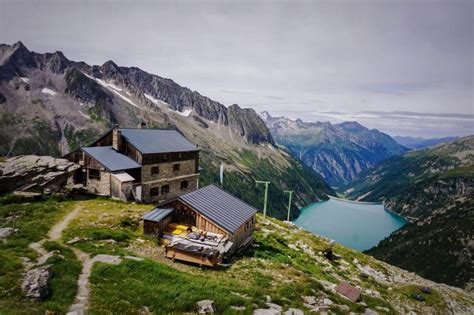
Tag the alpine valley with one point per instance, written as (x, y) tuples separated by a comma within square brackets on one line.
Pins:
[(337, 152), (50, 105)]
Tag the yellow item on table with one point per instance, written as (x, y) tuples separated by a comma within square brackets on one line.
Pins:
[(177, 231)]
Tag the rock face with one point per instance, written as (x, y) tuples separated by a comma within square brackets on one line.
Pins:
[(337, 152), (35, 283), (35, 173)]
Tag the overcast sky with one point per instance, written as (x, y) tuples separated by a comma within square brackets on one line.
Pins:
[(314, 60)]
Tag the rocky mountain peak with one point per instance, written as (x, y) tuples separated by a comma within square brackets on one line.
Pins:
[(265, 115), (352, 125), (16, 55)]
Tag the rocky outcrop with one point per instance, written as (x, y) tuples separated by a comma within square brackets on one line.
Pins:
[(35, 173), (35, 283)]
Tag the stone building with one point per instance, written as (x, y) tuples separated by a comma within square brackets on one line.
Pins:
[(149, 165)]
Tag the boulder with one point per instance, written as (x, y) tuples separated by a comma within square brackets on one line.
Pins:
[(35, 283), (205, 307), (274, 306), (6, 232), (35, 173), (311, 300)]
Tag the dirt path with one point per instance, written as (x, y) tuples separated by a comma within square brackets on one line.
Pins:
[(82, 296), (57, 230)]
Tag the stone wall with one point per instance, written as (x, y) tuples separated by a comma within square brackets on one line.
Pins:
[(99, 187), (174, 191), (187, 167)]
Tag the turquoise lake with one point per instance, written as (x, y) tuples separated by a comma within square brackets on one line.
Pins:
[(356, 225)]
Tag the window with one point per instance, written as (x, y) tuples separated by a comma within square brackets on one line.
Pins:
[(94, 174), (165, 189), (176, 167), (184, 184), (154, 191), (155, 170)]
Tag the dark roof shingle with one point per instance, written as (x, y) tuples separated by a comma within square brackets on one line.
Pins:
[(157, 140), (222, 208), (111, 159)]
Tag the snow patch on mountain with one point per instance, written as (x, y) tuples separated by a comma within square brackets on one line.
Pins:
[(48, 91), (185, 113)]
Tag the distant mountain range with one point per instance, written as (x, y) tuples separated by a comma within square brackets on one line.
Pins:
[(420, 143), (50, 105), (434, 189), (338, 152)]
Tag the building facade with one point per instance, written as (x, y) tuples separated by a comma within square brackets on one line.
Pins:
[(149, 165)]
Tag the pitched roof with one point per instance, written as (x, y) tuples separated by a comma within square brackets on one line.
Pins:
[(157, 140), (222, 208), (157, 214), (111, 159)]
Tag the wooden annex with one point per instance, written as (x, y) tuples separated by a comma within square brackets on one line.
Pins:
[(203, 227)]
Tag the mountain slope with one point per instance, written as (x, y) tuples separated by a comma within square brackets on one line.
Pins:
[(284, 264), (51, 105), (337, 152), (420, 143), (434, 189)]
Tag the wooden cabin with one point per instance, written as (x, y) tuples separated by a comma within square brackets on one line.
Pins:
[(149, 165), (203, 226)]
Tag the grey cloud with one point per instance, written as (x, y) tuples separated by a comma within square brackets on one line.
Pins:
[(344, 56)]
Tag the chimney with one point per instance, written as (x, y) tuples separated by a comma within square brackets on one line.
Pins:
[(116, 138), (143, 125)]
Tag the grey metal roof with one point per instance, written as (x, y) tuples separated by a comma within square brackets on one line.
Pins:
[(222, 208), (111, 159), (157, 140), (157, 214)]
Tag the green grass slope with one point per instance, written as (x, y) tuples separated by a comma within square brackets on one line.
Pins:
[(284, 263), (433, 188)]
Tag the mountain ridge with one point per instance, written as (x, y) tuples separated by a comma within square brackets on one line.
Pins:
[(53, 105), (338, 152), (420, 143)]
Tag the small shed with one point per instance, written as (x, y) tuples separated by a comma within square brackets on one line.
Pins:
[(156, 221), (121, 186)]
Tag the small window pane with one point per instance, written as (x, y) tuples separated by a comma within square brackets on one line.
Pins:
[(165, 189), (154, 191)]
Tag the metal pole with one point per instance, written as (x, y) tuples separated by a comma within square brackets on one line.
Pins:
[(266, 196), (289, 202)]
